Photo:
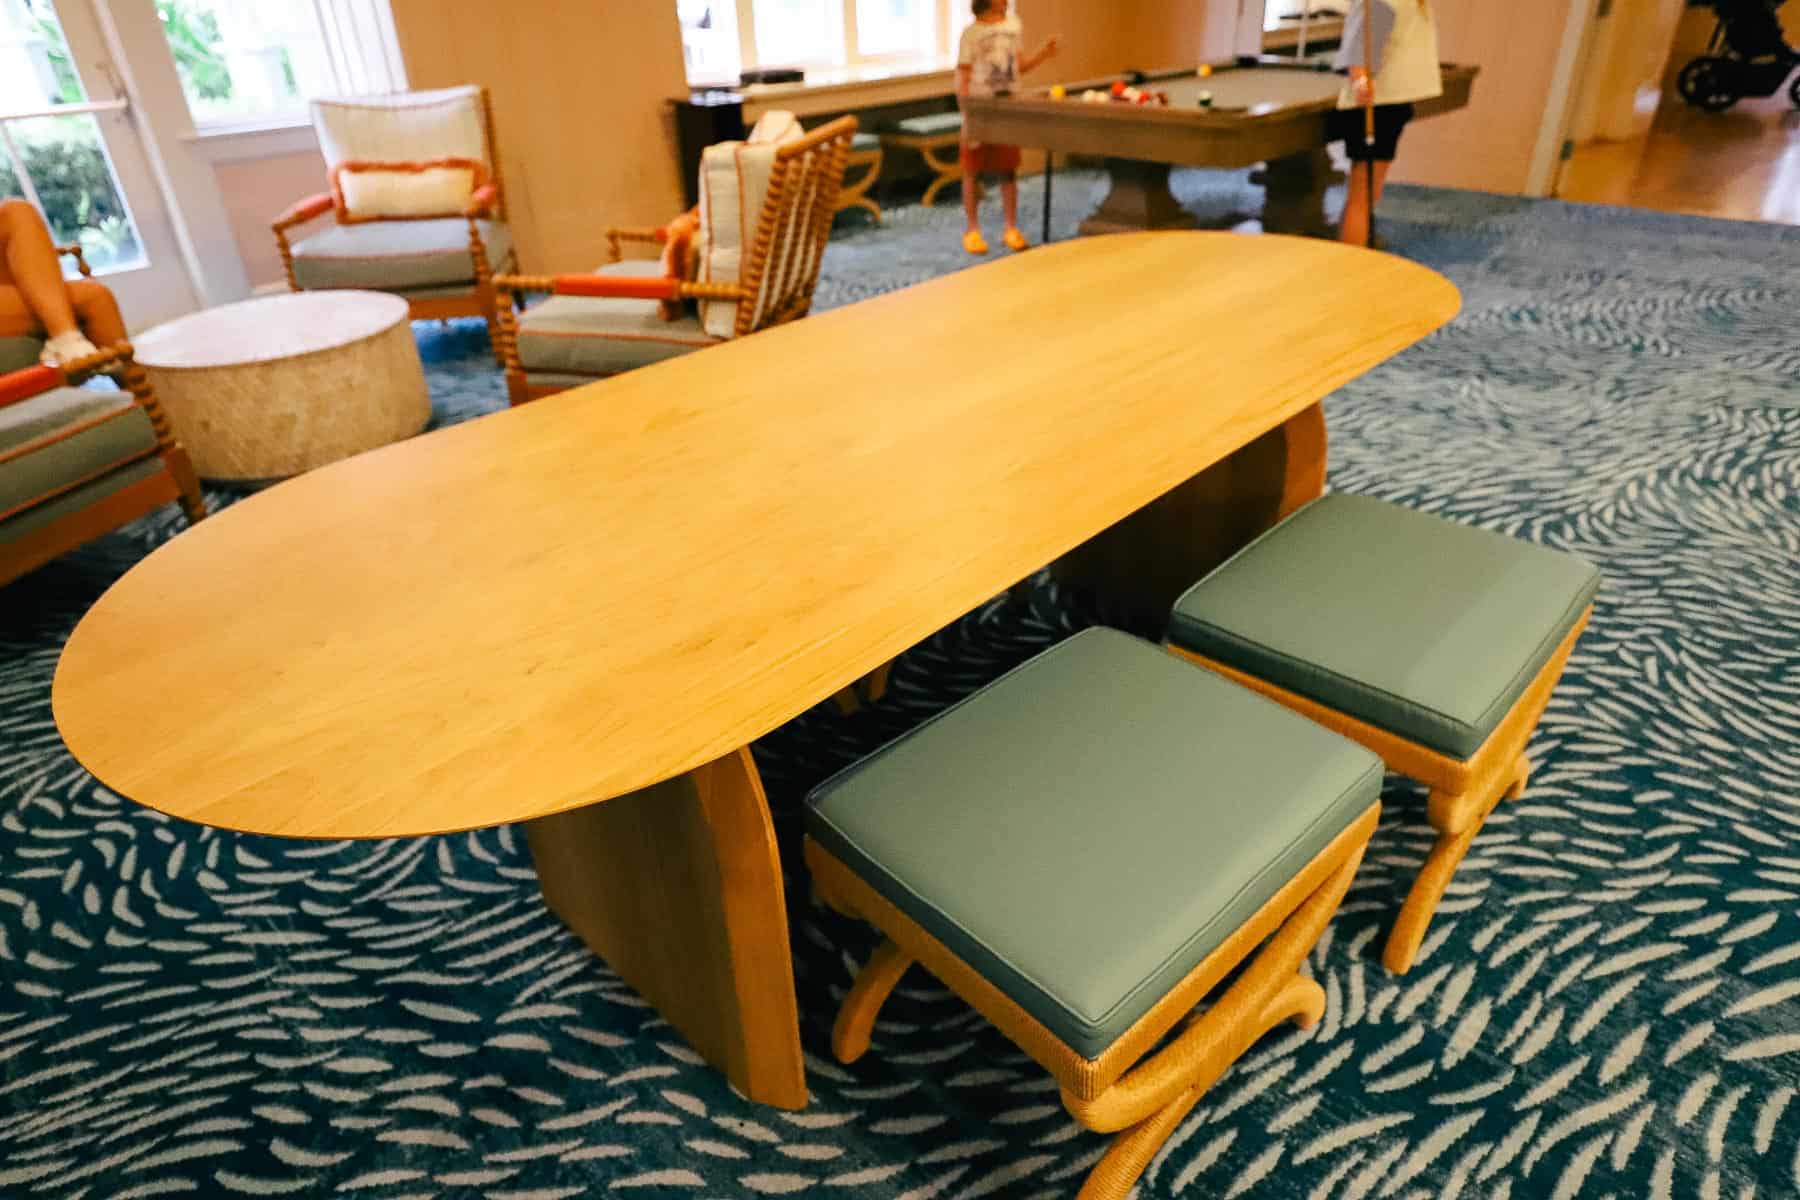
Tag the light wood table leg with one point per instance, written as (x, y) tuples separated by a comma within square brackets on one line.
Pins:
[(1138, 199), (1146, 561), (678, 887)]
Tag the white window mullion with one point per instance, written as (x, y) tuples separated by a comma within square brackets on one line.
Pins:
[(852, 48), (746, 10)]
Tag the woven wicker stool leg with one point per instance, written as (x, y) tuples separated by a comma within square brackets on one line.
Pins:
[(1457, 818), (873, 985), (1148, 1103)]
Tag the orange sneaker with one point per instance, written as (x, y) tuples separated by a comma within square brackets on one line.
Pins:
[(974, 243), (1015, 240)]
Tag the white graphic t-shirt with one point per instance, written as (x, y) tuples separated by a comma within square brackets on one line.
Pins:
[(990, 49)]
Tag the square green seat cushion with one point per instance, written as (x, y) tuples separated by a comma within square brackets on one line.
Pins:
[(67, 436), (603, 335), (865, 141), (1085, 830), (1414, 624), (397, 255)]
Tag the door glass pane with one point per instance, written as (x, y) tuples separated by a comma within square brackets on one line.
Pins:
[(894, 27), (799, 31), (709, 40), (36, 70), (246, 60), (72, 183)]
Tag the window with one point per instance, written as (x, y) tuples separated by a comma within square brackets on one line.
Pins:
[(244, 61), (889, 27), (57, 161), (721, 37)]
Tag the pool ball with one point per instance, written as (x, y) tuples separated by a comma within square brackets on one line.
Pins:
[(1205, 99)]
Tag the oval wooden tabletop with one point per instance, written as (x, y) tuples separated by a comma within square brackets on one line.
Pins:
[(561, 603)]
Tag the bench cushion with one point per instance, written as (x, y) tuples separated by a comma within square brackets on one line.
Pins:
[(1087, 829), (865, 141), (391, 255), (64, 437), (585, 335), (17, 352), (931, 124), (1425, 628)]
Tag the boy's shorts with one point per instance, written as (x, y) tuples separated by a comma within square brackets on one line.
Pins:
[(1346, 125), (987, 157)]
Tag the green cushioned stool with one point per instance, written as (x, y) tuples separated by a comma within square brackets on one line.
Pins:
[(937, 137), (1082, 851), (1433, 644)]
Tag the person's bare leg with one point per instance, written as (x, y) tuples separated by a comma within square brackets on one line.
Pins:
[(973, 242), (1009, 200), (31, 266), (1354, 230), (97, 312), (1381, 174)]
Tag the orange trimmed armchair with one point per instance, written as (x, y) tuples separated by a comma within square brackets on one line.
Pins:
[(76, 463), (418, 201), (765, 214)]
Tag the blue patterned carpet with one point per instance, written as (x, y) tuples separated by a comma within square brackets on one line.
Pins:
[(1607, 1007)]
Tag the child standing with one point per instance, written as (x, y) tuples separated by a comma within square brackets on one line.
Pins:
[(988, 62), (1403, 37)]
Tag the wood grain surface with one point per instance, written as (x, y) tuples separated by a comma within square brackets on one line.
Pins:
[(580, 598)]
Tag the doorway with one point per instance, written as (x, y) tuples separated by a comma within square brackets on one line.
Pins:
[(69, 145)]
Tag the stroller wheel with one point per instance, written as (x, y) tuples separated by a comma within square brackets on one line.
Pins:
[(1794, 91), (1710, 83)]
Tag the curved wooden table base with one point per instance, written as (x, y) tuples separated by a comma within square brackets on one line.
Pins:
[(1463, 792), (678, 888), (1142, 1100), (1145, 562)]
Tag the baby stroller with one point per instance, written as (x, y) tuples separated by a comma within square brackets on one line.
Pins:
[(1748, 56)]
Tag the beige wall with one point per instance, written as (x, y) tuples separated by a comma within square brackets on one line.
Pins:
[(581, 91), (1489, 145), (255, 190)]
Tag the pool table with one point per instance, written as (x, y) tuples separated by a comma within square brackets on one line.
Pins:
[(1264, 110)]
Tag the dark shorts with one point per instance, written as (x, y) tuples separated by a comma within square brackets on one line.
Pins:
[(988, 157), (1346, 125)]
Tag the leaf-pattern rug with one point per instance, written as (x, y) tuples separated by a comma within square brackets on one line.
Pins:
[(1605, 1008)]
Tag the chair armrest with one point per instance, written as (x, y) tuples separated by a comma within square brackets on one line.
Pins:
[(482, 201), (27, 382), (618, 287), (305, 210), (655, 237), (73, 250)]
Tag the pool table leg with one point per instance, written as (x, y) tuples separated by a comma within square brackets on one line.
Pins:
[(1138, 199), (1294, 191), (1142, 564), (678, 887)]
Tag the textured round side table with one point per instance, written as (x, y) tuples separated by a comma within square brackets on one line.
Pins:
[(278, 385)]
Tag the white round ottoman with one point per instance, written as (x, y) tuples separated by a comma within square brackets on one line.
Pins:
[(278, 385)]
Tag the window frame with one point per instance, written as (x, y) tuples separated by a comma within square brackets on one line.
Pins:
[(944, 32)]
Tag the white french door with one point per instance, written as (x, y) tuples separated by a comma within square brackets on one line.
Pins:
[(69, 144)]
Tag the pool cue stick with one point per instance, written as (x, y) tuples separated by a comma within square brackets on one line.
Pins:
[(1368, 40), (1049, 179)]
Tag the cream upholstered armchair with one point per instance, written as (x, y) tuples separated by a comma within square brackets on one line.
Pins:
[(418, 204), (757, 239)]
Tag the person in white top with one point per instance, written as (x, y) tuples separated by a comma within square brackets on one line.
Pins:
[(989, 62), (1403, 44)]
